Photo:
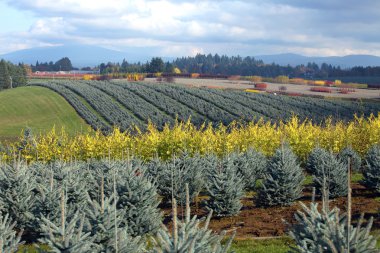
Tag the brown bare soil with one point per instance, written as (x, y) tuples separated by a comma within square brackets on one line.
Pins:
[(269, 222)]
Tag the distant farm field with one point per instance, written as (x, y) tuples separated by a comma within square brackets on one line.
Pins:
[(103, 104), (37, 108)]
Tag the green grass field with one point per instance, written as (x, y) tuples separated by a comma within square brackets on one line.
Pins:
[(37, 108)]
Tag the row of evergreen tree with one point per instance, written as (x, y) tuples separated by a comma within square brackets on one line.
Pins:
[(248, 66), (100, 205), (12, 75)]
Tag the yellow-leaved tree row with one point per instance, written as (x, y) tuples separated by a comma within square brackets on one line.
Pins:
[(303, 136)]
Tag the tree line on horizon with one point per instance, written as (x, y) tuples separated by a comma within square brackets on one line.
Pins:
[(12, 75), (237, 65), (64, 64)]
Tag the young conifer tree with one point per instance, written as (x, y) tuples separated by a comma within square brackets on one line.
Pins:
[(172, 176), (17, 187), (355, 159), (371, 171), (104, 222), (251, 164), (283, 182), (327, 166), (138, 197), (189, 236), (314, 159), (225, 187), (9, 239), (47, 202), (326, 230), (68, 235)]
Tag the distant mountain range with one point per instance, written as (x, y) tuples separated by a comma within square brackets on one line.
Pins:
[(85, 55), (80, 55)]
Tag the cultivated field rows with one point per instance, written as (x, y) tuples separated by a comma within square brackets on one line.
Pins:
[(127, 104)]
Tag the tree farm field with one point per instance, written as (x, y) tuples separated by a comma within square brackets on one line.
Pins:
[(230, 163), (273, 87)]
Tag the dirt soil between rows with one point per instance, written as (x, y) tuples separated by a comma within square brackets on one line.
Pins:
[(269, 222)]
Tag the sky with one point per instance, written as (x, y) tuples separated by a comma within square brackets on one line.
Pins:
[(185, 28)]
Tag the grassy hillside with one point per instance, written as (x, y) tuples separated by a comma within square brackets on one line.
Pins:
[(37, 108)]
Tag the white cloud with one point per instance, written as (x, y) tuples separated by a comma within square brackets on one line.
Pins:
[(183, 27)]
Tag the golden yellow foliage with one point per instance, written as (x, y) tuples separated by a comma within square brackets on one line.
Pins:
[(88, 77), (135, 77), (319, 82), (266, 137), (255, 79), (282, 79), (176, 71), (251, 90)]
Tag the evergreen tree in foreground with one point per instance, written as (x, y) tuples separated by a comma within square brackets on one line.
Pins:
[(371, 171), (68, 235), (225, 187), (355, 159), (17, 194), (189, 236), (314, 160), (172, 175), (138, 197), (9, 240), (325, 230), (104, 222), (251, 164), (283, 182), (328, 167)]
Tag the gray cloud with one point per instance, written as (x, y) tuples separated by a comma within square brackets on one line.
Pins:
[(183, 27)]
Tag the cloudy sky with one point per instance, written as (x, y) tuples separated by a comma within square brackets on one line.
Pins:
[(185, 27)]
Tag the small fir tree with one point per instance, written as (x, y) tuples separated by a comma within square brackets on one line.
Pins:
[(17, 194), (104, 222), (67, 235), (47, 203), (314, 160), (225, 187), (138, 197), (371, 171), (355, 159), (283, 182), (328, 167), (9, 239), (326, 230), (189, 236), (251, 164), (74, 178), (172, 176)]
